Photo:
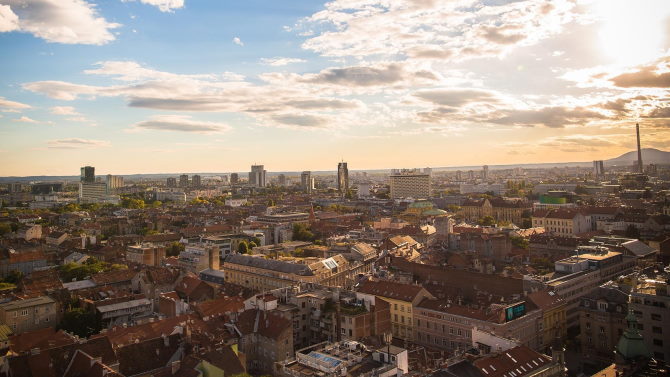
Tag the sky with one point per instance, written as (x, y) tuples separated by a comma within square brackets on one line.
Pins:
[(172, 86)]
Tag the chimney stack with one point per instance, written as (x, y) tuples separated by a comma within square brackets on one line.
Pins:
[(640, 166)]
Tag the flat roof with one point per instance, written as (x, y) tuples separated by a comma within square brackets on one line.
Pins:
[(20, 304)]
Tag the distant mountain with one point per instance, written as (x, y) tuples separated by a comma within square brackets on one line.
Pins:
[(649, 156)]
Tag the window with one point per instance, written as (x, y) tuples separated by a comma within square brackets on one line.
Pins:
[(395, 306), (395, 316), (656, 330), (602, 306), (350, 333), (656, 317), (24, 312)]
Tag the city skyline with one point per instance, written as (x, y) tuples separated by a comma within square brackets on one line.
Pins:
[(172, 86)]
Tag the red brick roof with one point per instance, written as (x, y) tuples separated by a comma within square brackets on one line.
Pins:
[(392, 290)]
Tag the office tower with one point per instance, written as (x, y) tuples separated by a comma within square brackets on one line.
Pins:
[(342, 177), (257, 176), (114, 182), (183, 180), (171, 182), (640, 166), (196, 181), (234, 178), (306, 181), (87, 174), (485, 172), (281, 179), (409, 184), (92, 192), (598, 168)]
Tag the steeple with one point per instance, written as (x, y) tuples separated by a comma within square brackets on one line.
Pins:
[(631, 345)]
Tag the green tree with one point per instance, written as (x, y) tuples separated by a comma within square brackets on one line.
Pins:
[(5, 228), (80, 322), (175, 248), (487, 221), (243, 247), (252, 244), (301, 232), (132, 203), (520, 242), (14, 277)]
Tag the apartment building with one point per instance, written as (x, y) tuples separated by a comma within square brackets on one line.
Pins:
[(410, 184), (562, 222), (29, 314), (145, 254), (650, 302)]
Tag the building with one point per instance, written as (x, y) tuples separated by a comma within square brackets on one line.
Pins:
[(262, 274), (598, 168), (500, 209), (650, 302), (563, 222), (171, 182), (87, 174), (201, 257), (402, 298), (257, 176), (306, 181), (410, 184), (93, 192), (196, 181), (183, 180), (266, 337), (234, 178), (114, 182), (485, 172), (342, 178), (24, 262), (281, 179), (553, 317), (482, 188), (146, 254), (29, 314)]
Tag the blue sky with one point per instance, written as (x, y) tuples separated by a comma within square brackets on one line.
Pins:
[(184, 86)]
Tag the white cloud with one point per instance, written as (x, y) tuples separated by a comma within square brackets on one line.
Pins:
[(77, 143), (7, 104), (64, 110), (61, 21), (278, 62), (9, 21), (180, 123), (163, 5), (238, 41), (25, 119)]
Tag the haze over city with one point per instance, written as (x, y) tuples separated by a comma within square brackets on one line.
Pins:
[(171, 86)]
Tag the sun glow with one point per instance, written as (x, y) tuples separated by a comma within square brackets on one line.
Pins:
[(633, 32)]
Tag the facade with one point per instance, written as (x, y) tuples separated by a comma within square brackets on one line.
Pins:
[(29, 314), (171, 182), (183, 180), (598, 168), (257, 176), (500, 209), (196, 258), (25, 262), (146, 254), (482, 188), (234, 178), (402, 299), (114, 182), (562, 222), (94, 192), (650, 302), (410, 184), (196, 181), (342, 178), (306, 181)]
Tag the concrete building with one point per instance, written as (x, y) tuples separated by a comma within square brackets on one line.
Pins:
[(171, 182), (410, 184), (482, 188), (196, 258), (342, 178), (196, 181), (29, 314), (306, 181), (563, 222), (499, 208), (114, 182), (94, 192), (257, 176), (598, 168), (87, 174), (234, 178), (183, 180), (650, 302), (146, 254)]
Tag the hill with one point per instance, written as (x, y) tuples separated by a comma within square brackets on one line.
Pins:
[(649, 156)]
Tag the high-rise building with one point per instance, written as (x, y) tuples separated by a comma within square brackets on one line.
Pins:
[(306, 181), (342, 178), (87, 174), (196, 181), (281, 179), (114, 182), (598, 168), (183, 180), (171, 182), (409, 184), (485, 172), (92, 192), (234, 178), (257, 176)]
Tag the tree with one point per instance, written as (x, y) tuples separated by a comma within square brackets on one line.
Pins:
[(14, 277), (132, 203), (80, 322), (5, 228), (520, 242), (302, 233), (175, 248), (243, 247), (487, 221), (581, 190), (252, 244)]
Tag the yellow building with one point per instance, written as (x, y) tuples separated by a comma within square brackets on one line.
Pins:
[(553, 316), (401, 298), (500, 209)]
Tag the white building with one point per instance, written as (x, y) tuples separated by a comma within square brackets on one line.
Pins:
[(481, 188), (409, 184)]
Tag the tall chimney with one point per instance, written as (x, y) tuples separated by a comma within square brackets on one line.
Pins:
[(639, 150)]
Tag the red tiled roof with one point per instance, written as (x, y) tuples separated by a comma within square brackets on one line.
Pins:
[(520, 360), (392, 290)]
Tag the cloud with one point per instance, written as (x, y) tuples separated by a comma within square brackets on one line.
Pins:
[(76, 143), (9, 21), (301, 120), (12, 105), (578, 143), (550, 116), (163, 5), (435, 29), (644, 77), (278, 62), (238, 41), (180, 123), (25, 119), (64, 110), (61, 21), (384, 74), (457, 97)]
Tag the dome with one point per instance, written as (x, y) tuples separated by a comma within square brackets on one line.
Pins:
[(434, 212), (421, 204)]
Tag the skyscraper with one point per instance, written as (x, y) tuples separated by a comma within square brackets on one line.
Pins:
[(87, 174), (196, 181), (257, 176), (171, 182), (485, 172), (306, 181), (598, 168), (114, 182), (281, 179), (183, 180), (342, 178), (234, 178), (409, 184)]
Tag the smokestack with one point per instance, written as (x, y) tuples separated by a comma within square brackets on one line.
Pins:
[(639, 150)]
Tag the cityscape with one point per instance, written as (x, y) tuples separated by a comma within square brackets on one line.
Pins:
[(366, 188)]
